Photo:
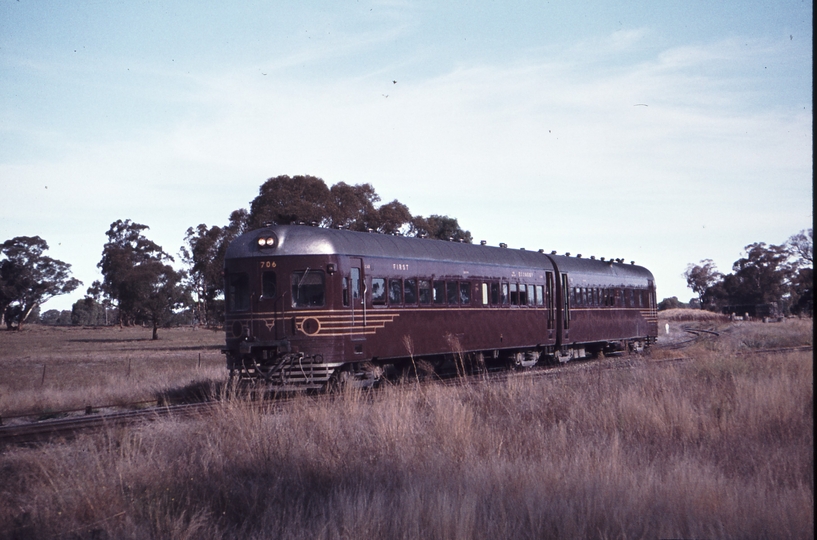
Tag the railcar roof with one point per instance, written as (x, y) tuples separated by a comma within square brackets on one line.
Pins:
[(575, 265), (306, 240)]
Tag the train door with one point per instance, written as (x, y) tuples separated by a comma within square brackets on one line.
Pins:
[(565, 306), (550, 302), (357, 300)]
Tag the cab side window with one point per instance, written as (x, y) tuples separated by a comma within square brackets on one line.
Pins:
[(269, 285)]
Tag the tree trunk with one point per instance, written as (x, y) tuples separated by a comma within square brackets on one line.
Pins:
[(155, 331)]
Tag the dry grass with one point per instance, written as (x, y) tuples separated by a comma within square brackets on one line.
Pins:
[(719, 448), (693, 315), (45, 369)]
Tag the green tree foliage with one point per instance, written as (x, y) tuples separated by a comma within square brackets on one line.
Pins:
[(781, 274), (307, 199), (801, 247), (392, 218), (89, 312), (670, 303), (702, 276), (138, 277), (28, 278), (441, 228), (352, 207), (285, 199), (203, 253), (762, 276)]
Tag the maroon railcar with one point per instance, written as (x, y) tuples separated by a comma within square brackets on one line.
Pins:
[(306, 305)]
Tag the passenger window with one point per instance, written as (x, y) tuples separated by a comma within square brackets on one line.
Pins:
[(410, 291), (494, 293), (504, 294), (439, 292), (345, 291), (378, 291), (465, 293), (452, 292), (355, 283), (425, 291), (523, 295), (395, 291), (514, 294), (540, 295), (584, 297), (632, 298), (238, 292), (268, 285), (531, 295), (484, 294), (308, 288)]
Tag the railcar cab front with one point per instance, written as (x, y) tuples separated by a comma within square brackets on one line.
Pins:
[(273, 297)]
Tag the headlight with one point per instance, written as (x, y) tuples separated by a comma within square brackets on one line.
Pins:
[(267, 242)]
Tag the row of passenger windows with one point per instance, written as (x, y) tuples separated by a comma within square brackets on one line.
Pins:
[(414, 291), (596, 297), (308, 289)]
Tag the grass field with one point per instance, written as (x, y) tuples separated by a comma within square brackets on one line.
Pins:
[(45, 369), (721, 447)]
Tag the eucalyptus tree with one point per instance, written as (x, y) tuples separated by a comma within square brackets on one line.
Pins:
[(28, 278)]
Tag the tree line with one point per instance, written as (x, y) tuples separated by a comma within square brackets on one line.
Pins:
[(767, 275), (140, 284)]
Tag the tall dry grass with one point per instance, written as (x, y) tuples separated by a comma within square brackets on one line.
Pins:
[(719, 448)]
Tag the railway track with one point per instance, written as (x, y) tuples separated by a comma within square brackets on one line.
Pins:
[(64, 428)]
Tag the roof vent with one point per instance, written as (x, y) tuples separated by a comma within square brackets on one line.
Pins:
[(602, 259), (579, 256), (503, 245), (567, 254), (482, 242), (541, 251), (592, 257), (632, 262), (521, 249), (553, 252)]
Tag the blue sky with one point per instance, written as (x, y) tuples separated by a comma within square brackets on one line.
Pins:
[(660, 132)]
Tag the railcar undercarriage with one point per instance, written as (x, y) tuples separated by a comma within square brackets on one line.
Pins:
[(299, 371)]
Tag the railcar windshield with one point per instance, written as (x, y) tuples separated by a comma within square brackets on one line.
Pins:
[(308, 288), (238, 292)]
